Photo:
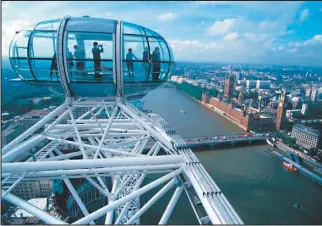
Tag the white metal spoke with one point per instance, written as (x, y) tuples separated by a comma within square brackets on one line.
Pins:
[(153, 200), (80, 142), (77, 198), (171, 205), (106, 131), (44, 216), (136, 193), (114, 141)]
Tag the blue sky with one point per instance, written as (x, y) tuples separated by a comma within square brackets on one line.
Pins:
[(212, 31)]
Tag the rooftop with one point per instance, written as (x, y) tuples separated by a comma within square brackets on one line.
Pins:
[(41, 203)]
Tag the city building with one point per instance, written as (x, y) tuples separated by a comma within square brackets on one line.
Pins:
[(314, 94), (293, 113), (33, 189), (263, 84), (248, 118), (307, 137), (21, 216), (281, 120), (21, 124), (230, 85), (241, 97)]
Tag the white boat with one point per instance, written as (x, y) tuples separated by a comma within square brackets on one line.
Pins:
[(271, 143)]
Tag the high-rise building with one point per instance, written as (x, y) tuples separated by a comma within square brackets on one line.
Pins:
[(230, 85)]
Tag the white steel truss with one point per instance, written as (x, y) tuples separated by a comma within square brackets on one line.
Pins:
[(106, 145)]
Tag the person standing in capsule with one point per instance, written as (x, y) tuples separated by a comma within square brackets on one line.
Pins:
[(156, 63), (129, 62), (97, 50), (79, 56), (53, 66), (146, 62)]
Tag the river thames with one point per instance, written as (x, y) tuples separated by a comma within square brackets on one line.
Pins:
[(255, 182)]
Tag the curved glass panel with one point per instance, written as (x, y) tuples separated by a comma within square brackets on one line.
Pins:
[(136, 59), (42, 44), (149, 32), (163, 53), (19, 45), (134, 29), (21, 67), (147, 59), (170, 49), (49, 25), (172, 69), (88, 24), (30, 27), (42, 54), (90, 57)]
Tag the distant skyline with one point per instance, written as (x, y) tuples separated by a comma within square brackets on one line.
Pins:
[(212, 31)]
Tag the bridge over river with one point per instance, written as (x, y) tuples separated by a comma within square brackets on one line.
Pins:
[(211, 141)]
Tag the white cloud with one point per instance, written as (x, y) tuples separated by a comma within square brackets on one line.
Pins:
[(231, 36), (167, 17), (8, 32), (108, 14), (221, 27), (195, 45), (304, 14)]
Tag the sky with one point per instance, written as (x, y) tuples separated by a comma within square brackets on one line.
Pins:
[(200, 31)]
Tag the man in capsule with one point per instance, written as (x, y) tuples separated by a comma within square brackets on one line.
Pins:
[(53, 66), (97, 50), (129, 62), (79, 56), (156, 63), (146, 61)]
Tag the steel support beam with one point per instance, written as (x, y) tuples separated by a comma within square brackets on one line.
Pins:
[(168, 211), (42, 215), (100, 212)]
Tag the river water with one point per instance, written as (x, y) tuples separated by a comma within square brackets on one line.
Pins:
[(255, 182)]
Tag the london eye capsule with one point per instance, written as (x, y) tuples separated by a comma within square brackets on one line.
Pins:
[(92, 57)]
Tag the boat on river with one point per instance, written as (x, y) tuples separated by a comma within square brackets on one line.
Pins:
[(289, 166), (271, 142)]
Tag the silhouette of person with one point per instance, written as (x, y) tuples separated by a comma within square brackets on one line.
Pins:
[(147, 59), (129, 62), (70, 61), (97, 50), (79, 56), (53, 66), (156, 63)]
